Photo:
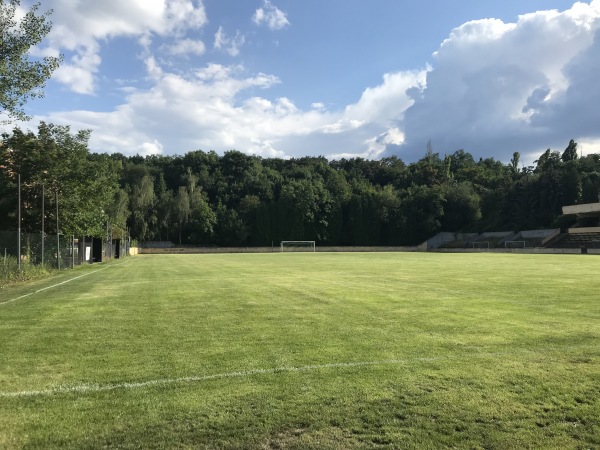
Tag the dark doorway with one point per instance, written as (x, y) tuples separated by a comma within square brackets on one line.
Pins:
[(96, 250), (117, 244)]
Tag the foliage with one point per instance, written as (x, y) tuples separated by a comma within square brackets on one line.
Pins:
[(202, 198), (21, 77), (10, 270), (56, 164)]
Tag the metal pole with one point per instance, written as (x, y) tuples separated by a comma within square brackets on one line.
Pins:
[(72, 251), (57, 233), (19, 225), (43, 214), (106, 245)]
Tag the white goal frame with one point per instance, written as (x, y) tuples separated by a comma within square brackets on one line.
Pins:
[(310, 245), (524, 244), (481, 244)]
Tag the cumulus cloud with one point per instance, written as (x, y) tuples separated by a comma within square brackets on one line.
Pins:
[(216, 107), (271, 16), (492, 88), (230, 45), (210, 108), (79, 27), (79, 71), (496, 88)]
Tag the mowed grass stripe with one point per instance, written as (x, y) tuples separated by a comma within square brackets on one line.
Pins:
[(286, 350), (92, 388)]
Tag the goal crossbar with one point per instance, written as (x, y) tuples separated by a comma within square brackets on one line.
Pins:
[(515, 244), (308, 245)]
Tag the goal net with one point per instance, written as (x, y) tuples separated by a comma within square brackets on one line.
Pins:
[(515, 244), (481, 244), (297, 246)]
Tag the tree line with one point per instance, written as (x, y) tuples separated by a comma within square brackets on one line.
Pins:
[(234, 199)]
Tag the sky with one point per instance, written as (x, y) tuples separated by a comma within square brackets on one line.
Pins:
[(333, 78)]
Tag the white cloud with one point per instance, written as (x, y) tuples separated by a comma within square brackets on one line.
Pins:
[(153, 68), (498, 88), (79, 72), (230, 45), (387, 102), (588, 147), (79, 27), (150, 148), (494, 88), (215, 108), (375, 147), (187, 47), (270, 15)]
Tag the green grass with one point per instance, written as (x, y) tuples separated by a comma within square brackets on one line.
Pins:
[(380, 350)]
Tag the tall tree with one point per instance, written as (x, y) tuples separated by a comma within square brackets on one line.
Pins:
[(182, 208), (142, 200), (570, 153), (22, 77), (86, 184)]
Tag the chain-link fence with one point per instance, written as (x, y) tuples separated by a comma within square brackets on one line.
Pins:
[(50, 251), (54, 252)]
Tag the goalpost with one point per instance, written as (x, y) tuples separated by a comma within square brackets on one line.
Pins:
[(298, 246), (515, 244), (481, 244)]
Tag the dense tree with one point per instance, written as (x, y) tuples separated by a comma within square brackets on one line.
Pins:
[(60, 161), (142, 200), (462, 209), (423, 208), (235, 199)]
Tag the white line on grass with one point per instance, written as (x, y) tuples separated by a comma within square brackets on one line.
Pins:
[(94, 387), (58, 284)]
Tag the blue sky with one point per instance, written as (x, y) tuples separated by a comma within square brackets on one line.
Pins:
[(289, 78)]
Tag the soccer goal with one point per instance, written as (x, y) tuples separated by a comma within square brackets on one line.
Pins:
[(298, 246), (481, 244), (515, 244)]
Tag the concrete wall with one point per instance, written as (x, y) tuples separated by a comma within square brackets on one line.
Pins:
[(445, 237), (543, 235), (277, 249), (539, 250), (546, 251), (582, 209), (496, 234), (584, 230), (539, 234)]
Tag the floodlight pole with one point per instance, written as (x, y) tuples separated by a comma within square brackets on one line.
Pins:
[(57, 232), (19, 224), (43, 214)]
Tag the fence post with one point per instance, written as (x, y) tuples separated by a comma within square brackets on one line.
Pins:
[(43, 224)]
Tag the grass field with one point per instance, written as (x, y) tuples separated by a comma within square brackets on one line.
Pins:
[(311, 350)]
